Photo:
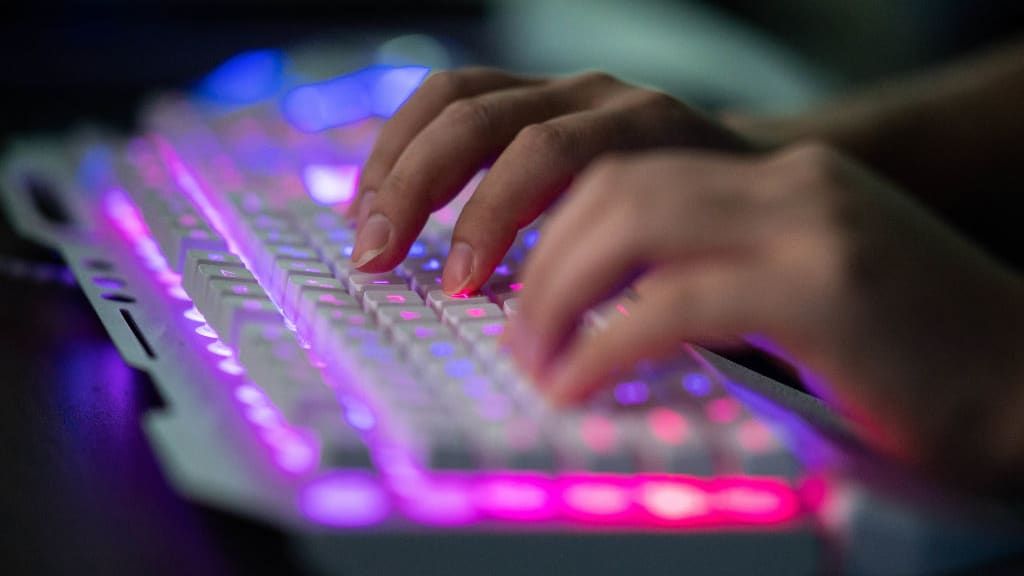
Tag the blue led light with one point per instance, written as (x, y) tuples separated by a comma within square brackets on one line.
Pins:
[(417, 249), (374, 91), (697, 384), (245, 78), (530, 237)]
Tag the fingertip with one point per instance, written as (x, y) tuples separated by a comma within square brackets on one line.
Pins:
[(457, 276)]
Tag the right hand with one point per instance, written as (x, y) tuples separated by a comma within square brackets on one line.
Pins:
[(543, 131)]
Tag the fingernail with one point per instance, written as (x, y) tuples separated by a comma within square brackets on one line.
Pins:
[(372, 239), (365, 204), (458, 269)]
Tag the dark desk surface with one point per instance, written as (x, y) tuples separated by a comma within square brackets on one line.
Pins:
[(80, 489)]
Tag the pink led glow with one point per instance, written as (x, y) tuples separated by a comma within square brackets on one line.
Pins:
[(476, 312), (754, 436), (381, 282), (667, 426), (206, 331), (622, 309), (675, 501), (723, 410), (331, 184), (594, 498), (194, 315), (755, 500), (344, 499), (410, 315), (515, 286), (524, 497), (396, 298)]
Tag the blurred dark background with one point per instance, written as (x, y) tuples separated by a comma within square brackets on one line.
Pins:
[(63, 60)]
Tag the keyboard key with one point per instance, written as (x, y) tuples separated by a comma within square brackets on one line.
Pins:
[(359, 282), (234, 312), (374, 299), (511, 307), (593, 442), (298, 284), (194, 258), (438, 300), (389, 316), (671, 440), (455, 314), (760, 451)]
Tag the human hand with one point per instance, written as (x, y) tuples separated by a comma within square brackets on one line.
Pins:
[(542, 131), (896, 320)]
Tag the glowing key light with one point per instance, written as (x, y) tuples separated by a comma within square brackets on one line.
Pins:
[(675, 501), (374, 91), (441, 502), (596, 498), (331, 183), (515, 497), (245, 78), (344, 499)]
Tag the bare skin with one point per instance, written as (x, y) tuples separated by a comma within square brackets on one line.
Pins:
[(765, 229)]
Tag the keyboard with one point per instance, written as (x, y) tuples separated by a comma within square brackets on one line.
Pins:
[(374, 419)]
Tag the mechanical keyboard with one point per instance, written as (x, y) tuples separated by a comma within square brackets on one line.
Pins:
[(372, 416)]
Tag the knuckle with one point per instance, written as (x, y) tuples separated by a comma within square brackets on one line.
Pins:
[(655, 100), (816, 162), (595, 77), (446, 84), (545, 139), (471, 113)]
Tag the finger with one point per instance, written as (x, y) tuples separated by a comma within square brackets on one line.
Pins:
[(695, 304), (532, 172), (651, 211), (442, 158), (438, 91)]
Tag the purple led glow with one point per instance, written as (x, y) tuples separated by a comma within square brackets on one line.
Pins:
[(194, 315), (524, 497), (230, 366), (250, 395), (441, 501), (632, 392), (178, 293), (493, 329), (206, 331), (331, 184), (219, 348), (344, 500), (697, 384), (359, 415)]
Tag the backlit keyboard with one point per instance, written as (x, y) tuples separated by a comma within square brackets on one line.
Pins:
[(331, 401)]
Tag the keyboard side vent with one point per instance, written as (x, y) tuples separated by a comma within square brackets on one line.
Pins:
[(139, 336)]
